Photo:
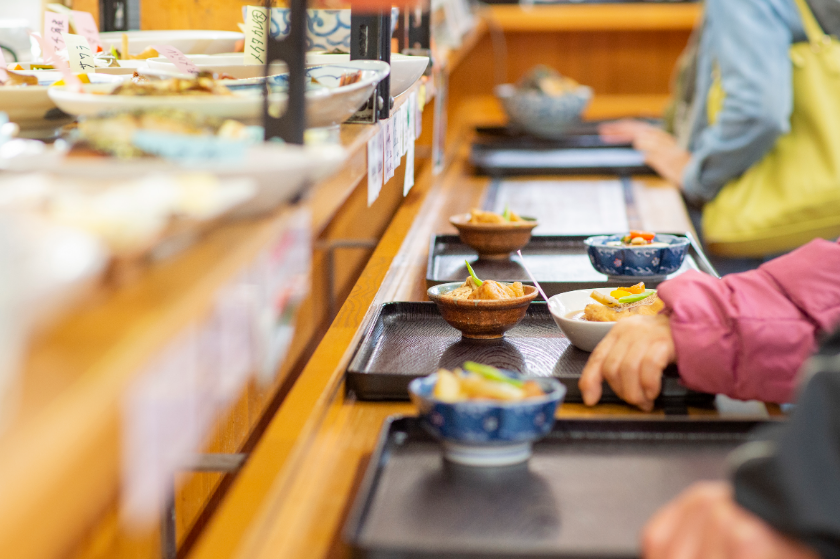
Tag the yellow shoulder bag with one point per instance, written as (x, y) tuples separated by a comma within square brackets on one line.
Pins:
[(792, 195)]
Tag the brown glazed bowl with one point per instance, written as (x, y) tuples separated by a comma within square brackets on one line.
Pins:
[(493, 241), (477, 318)]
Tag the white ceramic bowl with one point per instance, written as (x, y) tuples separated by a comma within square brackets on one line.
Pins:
[(187, 41), (405, 70), (583, 334), (232, 64)]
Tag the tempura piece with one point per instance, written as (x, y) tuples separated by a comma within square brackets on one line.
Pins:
[(597, 312), (480, 216), (489, 290), (482, 382)]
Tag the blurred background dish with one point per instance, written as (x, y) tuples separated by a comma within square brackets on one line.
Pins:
[(487, 433), (544, 103), (326, 30), (186, 41), (405, 70), (493, 241)]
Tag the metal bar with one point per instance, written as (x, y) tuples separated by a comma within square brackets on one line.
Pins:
[(291, 124), (215, 462), (168, 543), (113, 15), (370, 39), (420, 27), (330, 247)]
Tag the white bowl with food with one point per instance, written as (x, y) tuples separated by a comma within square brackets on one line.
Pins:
[(327, 104), (188, 41), (585, 316), (231, 64), (405, 70)]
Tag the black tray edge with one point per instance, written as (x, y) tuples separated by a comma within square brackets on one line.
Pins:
[(362, 500), (696, 252)]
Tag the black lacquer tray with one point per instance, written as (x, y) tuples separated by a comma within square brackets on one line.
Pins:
[(586, 493), (559, 262), (410, 340)]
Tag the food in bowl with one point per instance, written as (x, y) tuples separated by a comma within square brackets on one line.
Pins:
[(482, 382), (547, 81), (203, 84), (482, 318), (13, 79), (486, 431), (506, 217), (638, 239), (657, 257), (487, 290), (492, 235), (621, 303)]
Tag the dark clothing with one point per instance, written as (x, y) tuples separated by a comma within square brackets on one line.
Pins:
[(792, 479)]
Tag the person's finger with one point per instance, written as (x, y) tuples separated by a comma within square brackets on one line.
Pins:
[(714, 542), (591, 380), (651, 368), (611, 368), (696, 520), (661, 529), (630, 374)]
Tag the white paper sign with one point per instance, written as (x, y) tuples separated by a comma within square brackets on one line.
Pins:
[(375, 165), (55, 26), (412, 116), (256, 35), (408, 182), (395, 141), (79, 53), (178, 58), (85, 26), (388, 141)]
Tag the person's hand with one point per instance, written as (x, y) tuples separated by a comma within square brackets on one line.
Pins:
[(631, 359), (705, 522), (625, 131), (663, 154)]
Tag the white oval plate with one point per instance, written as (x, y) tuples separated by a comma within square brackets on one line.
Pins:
[(325, 107), (187, 41)]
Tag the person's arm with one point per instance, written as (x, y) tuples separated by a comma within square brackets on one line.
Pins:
[(750, 43), (792, 480), (748, 334)]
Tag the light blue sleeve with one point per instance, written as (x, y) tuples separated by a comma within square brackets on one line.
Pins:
[(750, 42)]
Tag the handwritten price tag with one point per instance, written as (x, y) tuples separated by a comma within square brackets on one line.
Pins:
[(388, 140), (178, 58), (375, 165), (256, 35), (85, 26), (55, 26), (79, 53)]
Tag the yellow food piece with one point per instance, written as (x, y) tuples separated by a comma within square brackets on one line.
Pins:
[(82, 78), (619, 293), (447, 387), (601, 313), (488, 291), (16, 67), (605, 299), (480, 216), (478, 387)]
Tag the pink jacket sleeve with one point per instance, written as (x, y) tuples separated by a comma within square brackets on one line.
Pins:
[(747, 335)]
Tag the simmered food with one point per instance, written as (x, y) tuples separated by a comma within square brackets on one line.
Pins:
[(622, 303), (486, 290), (547, 81), (482, 382), (13, 79), (638, 239), (506, 217), (203, 84)]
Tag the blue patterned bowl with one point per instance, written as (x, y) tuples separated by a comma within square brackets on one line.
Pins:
[(641, 261), (543, 115), (325, 29), (487, 432)]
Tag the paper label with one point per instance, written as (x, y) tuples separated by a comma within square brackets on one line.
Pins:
[(399, 126), (85, 26), (46, 53), (375, 156), (412, 116), (55, 26), (418, 115), (185, 147), (79, 53), (256, 35), (408, 182), (388, 149), (183, 64)]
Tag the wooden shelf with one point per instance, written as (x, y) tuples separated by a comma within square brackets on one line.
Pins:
[(594, 17)]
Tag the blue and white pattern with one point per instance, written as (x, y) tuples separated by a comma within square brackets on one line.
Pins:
[(325, 29), (639, 261), (543, 115), (485, 422)]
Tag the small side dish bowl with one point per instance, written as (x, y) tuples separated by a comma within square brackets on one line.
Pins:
[(481, 319), (493, 241), (565, 308), (487, 433), (544, 116), (637, 261)]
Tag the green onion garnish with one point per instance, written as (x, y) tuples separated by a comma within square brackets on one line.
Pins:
[(478, 282)]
